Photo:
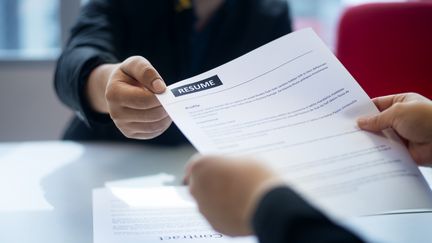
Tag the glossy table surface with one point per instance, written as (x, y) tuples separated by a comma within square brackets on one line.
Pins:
[(46, 190)]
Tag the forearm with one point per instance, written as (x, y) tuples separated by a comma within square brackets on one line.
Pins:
[(96, 86)]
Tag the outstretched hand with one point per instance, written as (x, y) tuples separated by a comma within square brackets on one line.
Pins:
[(131, 101)]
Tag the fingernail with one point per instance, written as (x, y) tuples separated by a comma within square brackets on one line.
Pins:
[(159, 86)]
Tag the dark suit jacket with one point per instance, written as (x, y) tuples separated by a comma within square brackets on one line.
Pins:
[(282, 216), (109, 31)]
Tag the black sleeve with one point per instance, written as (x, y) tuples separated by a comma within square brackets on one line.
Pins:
[(90, 45), (283, 216)]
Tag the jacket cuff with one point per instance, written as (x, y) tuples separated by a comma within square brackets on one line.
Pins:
[(283, 216), (277, 213), (89, 59)]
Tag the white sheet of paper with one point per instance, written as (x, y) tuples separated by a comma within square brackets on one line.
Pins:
[(150, 215), (292, 104)]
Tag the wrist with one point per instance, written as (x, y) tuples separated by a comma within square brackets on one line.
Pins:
[(96, 87)]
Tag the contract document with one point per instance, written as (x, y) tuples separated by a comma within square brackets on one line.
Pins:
[(294, 106), (149, 215)]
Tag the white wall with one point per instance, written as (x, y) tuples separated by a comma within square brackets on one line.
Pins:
[(29, 108)]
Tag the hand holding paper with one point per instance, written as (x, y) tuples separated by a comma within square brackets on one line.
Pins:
[(410, 115), (227, 191)]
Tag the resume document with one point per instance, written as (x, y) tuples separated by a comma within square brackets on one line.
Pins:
[(293, 105)]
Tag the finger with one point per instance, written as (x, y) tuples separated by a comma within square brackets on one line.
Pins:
[(145, 136), (384, 102), (421, 153), (130, 96), (147, 127), (378, 122), (200, 167), (188, 168), (137, 115), (142, 71)]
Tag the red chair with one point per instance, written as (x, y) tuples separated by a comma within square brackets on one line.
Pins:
[(387, 47)]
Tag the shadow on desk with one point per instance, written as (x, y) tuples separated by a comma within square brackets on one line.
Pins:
[(68, 188)]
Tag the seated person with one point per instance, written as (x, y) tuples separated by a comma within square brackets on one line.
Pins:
[(239, 197), (122, 52)]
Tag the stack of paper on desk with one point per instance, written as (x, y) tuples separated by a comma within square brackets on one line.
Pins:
[(292, 104)]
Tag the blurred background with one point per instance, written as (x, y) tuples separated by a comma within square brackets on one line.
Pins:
[(32, 33)]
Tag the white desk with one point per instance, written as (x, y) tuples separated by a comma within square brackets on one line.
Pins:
[(46, 190)]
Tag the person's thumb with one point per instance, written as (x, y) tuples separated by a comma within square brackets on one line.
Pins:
[(189, 166), (377, 122)]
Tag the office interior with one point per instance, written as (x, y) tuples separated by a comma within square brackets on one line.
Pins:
[(33, 33)]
